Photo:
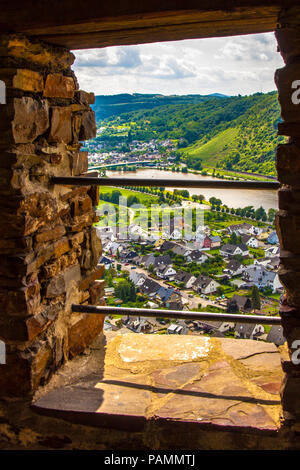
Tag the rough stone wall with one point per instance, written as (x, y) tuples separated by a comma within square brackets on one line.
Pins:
[(288, 219), (48, 246)]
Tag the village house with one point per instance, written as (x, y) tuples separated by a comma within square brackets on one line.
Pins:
[(210, 242), (149, 287), (108, 263), (181, 250), (213, 326), (249, 240), (233, 250), (234, 268), (239, 303), (137, 278), (163, 294), (205, 285), (269, 263), (182, 277), (166, 245), (261, 277), (165, 272), (175, 329), (248, 331), (239, 229), (156, 261), (138, 325), (174, 302), (196, 256)]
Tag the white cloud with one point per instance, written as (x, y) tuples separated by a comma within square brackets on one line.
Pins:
[(232, 65)]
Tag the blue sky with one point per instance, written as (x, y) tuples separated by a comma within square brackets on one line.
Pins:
[(230, 65)]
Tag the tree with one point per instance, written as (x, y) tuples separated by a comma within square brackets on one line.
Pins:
[(271, 215), (151, 268), (126, 291), (255, 298)]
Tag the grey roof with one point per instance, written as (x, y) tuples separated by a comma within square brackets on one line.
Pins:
[(196, 254), (183, 276), (167, 246), (149, 287), (228, 248), (179, 250), (234, 265), (275, 335), (215, 238), (203, 281), (240, 300), (237, 227), (245, 328), (259, 275)]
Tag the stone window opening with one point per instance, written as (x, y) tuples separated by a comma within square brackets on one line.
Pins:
[(50, 251)]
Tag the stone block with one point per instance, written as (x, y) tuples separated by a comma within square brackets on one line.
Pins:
[(50, 270), (96, 246), (291, 129), (288, 230), (60, 284), (288, 40), (31, 119), (52, 234), (288, 164), (79, 163), (35, 325), (82, 221), (23, 79), (97, 291), (90, 278), (52, 250), (82, 333), (290, 398), (76, 239), (41, 359), (86, 260), (290, 280), (59, 86), (21, 48), (88, 126), (289, 200), (85, 97), (61, 130), (20, 302)]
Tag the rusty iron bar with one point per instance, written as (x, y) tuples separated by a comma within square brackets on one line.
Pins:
[(161, 182), (176, 314)]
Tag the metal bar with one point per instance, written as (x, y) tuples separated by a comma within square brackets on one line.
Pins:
[(177, 183), (177, 314)]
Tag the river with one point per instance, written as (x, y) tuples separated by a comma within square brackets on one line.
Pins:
[(231, 197)]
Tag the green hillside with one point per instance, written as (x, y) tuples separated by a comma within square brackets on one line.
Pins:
[(249, 143), (234, 133), (113, 105)]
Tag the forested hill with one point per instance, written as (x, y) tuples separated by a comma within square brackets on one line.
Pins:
[(113, 105), (238, 132)]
